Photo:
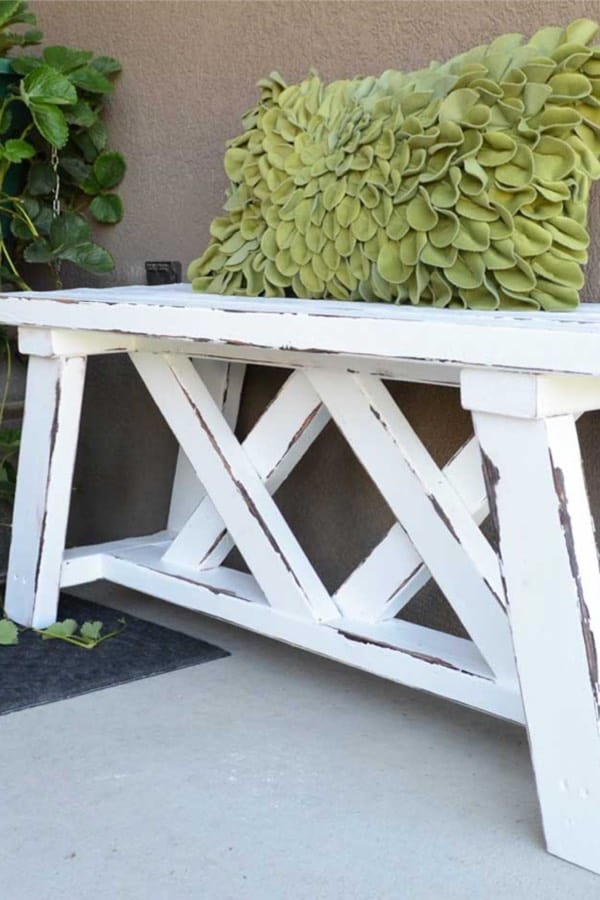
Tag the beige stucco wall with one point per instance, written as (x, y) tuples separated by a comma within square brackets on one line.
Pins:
[(189, 72)]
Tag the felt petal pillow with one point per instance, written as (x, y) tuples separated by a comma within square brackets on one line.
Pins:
[(465, 184)]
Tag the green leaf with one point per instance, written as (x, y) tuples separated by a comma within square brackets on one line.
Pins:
[(66, 628), (41, 180), (84, 142), (32, 206), (20, 229), (91, 630), (107, 208), (98, 135), (9, 634), (6, 120), (46, 85), (106, 64), (33, 36), (44, 219), (10, 439), (90, 257), (109, 169), (75, 167), (38, 252), (88, 78), (69, 230), (51, 124), (17, 149), (10, 39), (90, 186), (81, 114), (65, 59), (8, 8), (17, 14), (23, 65)]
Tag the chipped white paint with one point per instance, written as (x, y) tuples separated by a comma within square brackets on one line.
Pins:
[(224, 382), (46, 459), (526, 377), (550, 565), (275, 445)]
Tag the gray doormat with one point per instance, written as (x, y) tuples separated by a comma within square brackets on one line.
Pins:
[(36, 671)]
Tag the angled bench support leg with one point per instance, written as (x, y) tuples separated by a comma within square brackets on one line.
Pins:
[(536, 487), (46, 460)]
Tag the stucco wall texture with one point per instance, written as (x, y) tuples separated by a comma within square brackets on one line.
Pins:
[(189, 72)]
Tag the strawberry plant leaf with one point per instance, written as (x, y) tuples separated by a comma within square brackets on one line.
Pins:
[(107, 208), (9, 634)]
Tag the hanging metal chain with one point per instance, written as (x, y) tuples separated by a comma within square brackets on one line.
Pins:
[(56, 205), (56, 197)]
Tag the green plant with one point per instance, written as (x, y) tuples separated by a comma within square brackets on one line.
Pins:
[(464, 184), (15, 12), (51, 131), (51, 122), (87, 636), (10, 438)]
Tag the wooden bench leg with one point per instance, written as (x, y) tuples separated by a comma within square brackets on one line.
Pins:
[(536, 488), (49, 441)]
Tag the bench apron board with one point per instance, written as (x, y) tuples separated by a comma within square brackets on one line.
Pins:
[(532, 610)]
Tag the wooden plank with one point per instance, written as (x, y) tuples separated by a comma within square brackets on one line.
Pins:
[(550, 567), (527, 397), (224, 382), (275, 445), (49, 440), (258, 528), (429, 510), (225, 597), (437, 647), (393, 572), (562, 343), (62, 342)]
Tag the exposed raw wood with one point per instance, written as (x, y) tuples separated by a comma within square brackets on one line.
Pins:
[(234, 597), (241, 499), (275, 445), (393, 572), (432, 514), (224, 382), (552, 342), (550, 566), (49, 440)]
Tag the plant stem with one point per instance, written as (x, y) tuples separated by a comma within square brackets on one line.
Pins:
[(19, 280), (6, 380)]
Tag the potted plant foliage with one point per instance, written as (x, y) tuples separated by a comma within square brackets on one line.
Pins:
[(57, 179)]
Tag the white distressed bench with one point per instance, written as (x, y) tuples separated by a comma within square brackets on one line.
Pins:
[(525, 377)]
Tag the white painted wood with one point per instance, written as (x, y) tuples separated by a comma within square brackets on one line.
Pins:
[(224, 382), (62, 342), (393, 572), (275, 445), (49, 439), (232, 597), (523, 381), (429, 510), (258, 528), (551, 571), (430, 645), (550, 342), (519, 394)]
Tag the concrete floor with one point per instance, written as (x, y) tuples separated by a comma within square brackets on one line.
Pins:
[(270, 775)]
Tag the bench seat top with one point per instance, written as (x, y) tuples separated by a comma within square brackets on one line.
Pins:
[(566, 342)]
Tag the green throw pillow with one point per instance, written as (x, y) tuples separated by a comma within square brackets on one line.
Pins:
[(462, 185)]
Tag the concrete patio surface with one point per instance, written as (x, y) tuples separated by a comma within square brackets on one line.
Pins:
[(270, 775)]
